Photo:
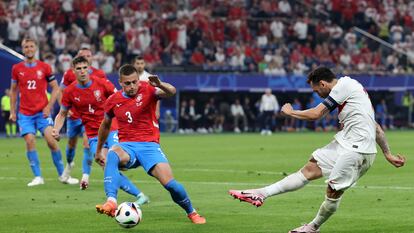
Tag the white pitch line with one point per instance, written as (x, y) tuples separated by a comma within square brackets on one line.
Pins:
[(224, 183)]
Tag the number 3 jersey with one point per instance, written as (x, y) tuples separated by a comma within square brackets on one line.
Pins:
[(135, 115), (32, 80), (89, 102)]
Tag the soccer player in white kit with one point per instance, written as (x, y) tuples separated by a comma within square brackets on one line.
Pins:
[(345, 159)]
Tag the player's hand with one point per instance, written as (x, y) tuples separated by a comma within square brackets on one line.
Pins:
[(70, 113), (287, 109), (46, 111), (397, 161), (154, 80), (100, 159), (55, 134), (12, 117)]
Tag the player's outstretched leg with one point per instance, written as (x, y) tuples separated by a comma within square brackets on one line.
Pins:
[(127, 186), (86, 168), (256, 197), (112, 179), (179, 196)]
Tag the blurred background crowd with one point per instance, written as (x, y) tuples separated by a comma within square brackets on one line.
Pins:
[(274, 37)]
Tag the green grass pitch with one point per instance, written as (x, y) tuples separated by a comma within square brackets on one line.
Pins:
[(209, 165)]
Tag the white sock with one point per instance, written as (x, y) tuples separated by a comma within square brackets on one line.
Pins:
[(327, 208), (85, 176), (112, 199), (290, 183)]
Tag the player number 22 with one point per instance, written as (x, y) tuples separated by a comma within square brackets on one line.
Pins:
[(31, 84), (128, 114)]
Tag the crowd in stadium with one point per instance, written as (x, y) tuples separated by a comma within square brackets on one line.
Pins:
[(273, 37)]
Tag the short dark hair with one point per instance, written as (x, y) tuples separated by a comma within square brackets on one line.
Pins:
[(139, 57), (127, 69), (321, 73), (79, 59)]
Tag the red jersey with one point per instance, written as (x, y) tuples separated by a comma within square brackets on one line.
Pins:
[(32, 80), (69, 77), (89, 101), (136, 116)]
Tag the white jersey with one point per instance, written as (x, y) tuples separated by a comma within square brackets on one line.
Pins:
[(356, 113), (144, 76)]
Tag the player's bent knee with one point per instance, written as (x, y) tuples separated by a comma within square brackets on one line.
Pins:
[(122, 155), (333, 194)]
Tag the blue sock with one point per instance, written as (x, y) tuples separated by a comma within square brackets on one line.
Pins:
[(57, 160), (34, 162), (87, 161), (126, 185), (70, 154), (179, 195), (112, 176)]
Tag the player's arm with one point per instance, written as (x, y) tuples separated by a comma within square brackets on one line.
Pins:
[(398, 160), (59, 121), (311, 114), (13, 100), (166, 90), (55, 92), (103, 133)]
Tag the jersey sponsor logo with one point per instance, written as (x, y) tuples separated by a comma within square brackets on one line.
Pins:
[(97, 94), (39, 74)]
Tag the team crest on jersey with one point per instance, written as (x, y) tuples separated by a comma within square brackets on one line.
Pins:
[(139, 100), (97, 95), (39, 74)]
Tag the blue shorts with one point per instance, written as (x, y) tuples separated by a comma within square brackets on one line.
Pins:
[(30, 124), (74, 128), (110, 141), (145, 154)]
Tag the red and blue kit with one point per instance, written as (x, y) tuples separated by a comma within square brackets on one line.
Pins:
[(135, 115)]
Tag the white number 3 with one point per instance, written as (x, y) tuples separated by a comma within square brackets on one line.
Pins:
[(128, 114)]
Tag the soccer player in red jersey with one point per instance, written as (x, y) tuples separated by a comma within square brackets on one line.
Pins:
[(134, 108), (31, 78), (87, 97), (74, 124)]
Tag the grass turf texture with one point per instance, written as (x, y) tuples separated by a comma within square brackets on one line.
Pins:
[(209, 165)]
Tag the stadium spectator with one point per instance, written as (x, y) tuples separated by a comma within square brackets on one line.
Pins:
[(269, 106), (250, 114), (384, 117), (5, 113), (238, 115)]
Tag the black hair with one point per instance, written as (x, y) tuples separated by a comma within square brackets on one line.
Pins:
[(79, 59), (127, 69), (320, 73)]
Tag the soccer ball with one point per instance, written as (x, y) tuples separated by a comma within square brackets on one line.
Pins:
[(128, 214)]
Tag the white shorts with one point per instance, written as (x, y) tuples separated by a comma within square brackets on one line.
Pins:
[(342, 167)]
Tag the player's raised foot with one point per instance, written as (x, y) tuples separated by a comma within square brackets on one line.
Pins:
[(84, 184), (142, 199), (249, 196), (108, 208), (38, 180), (196, 218), (68, 180), (306, 228)]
